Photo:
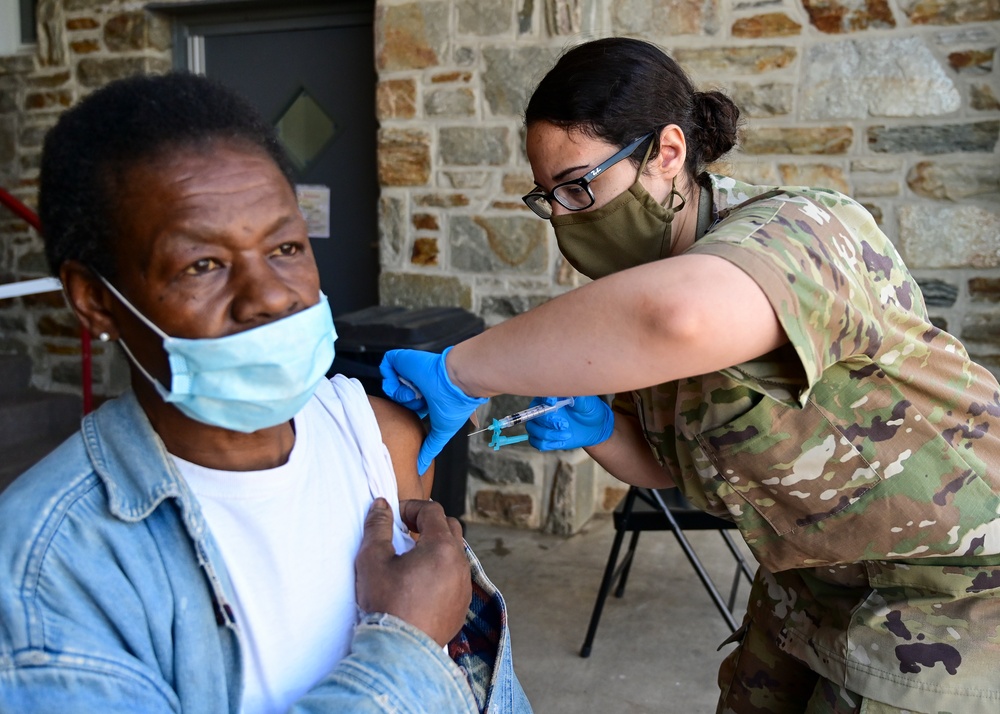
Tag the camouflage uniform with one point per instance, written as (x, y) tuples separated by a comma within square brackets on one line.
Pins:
[(861, 462)]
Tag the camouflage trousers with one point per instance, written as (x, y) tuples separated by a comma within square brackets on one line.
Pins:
[(758, 678)]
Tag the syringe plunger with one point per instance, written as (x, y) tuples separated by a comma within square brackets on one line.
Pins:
[(532, 413)]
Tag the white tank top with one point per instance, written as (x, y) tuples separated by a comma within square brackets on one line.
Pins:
[(289, 537)]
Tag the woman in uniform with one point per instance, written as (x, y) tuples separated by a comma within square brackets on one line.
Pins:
[(772, 358)]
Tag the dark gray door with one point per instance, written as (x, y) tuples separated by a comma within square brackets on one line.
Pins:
[(330, 71)]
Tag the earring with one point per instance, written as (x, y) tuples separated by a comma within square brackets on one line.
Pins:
[(104, 337)]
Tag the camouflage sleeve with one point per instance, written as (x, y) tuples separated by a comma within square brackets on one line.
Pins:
[(807, 253), (624, 403)]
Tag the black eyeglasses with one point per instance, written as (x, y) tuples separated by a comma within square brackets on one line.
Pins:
[(576, 195)]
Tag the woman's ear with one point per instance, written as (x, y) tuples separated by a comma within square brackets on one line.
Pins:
[(673, 152), (89, 299)]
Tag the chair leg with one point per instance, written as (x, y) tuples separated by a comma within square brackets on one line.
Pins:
[(626, 565), (742, 568), (734, 549), (602, 593), (696, 564), (610, 570)]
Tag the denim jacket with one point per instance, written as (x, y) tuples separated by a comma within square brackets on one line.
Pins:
[(114, 598)]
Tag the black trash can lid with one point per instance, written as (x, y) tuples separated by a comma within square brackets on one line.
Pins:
[(384, 327)]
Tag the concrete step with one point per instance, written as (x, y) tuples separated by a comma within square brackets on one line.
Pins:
[(33, 415), (15, 374), (17, 459)]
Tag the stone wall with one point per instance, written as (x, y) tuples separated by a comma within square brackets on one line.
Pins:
[(892, 101)]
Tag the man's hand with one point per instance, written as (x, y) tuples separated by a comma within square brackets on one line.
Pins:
[(429, 587)]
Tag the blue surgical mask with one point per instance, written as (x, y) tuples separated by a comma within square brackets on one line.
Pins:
[(250, 380)]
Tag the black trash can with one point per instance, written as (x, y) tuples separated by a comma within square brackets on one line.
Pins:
[(363, 338)]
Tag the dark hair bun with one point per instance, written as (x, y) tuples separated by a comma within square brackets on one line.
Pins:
[(717, 119)]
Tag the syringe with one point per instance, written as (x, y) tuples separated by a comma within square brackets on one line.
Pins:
[(524, 415)]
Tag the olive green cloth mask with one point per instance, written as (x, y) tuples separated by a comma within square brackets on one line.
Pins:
[(632, 229)]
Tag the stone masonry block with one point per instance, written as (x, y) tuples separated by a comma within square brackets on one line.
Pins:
[(798, 140), (441, 200), (57, 99), (132, 31), (61, 324), (710, 63), (411, 290), (571, 500), (85, 47), (425, 252), (935, 139), (496, 308), (984, 290), (564, 17), (98, 71), (972, 61), (474, 145), (982, 98), (972, 236), (949, 12), (981, 331), (396, 99), (501, 467), (955, 180), (824, 175), (484, 19), (515, 509), (8, 139), (511, 75), (459, 102), (938, 293), (664, 18), (845, 16), (486, 244), (411, 36), (763, 100), (392, 227), (897, 77), (404, 157), (770, 24)]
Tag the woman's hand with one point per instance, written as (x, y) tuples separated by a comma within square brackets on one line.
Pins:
[(587, 422), (419, 381)]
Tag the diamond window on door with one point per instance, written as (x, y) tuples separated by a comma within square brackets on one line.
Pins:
[(304, 129)]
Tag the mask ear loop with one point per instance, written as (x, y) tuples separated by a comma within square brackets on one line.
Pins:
[(670, 198), (645, 160), (121, 340), (666, 240)]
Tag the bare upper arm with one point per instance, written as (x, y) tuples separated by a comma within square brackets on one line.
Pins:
[(403, 433), (726, 316)]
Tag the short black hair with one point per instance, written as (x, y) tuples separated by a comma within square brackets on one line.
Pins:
[(115, 128)]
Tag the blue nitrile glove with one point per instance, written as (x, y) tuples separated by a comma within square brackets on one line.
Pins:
[(587, 422), (448, 406)]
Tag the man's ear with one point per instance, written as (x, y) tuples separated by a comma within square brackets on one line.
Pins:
[(89, 299)]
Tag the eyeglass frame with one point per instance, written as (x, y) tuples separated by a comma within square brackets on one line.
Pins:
[(583, 182)]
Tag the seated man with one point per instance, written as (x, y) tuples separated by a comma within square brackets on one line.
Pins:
[(193, 547)]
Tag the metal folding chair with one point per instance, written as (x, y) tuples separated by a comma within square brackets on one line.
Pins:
[(664, 510)]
